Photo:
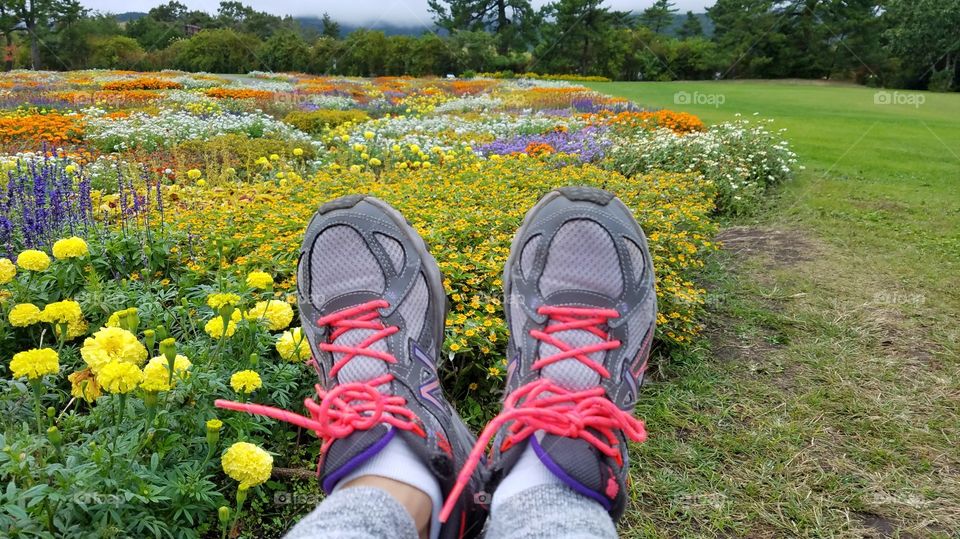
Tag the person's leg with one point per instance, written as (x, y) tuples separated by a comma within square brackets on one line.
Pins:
[(372, 306), (581, 308)]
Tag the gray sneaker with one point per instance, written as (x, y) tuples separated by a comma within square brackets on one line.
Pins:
[(372, 306), (581, 307)]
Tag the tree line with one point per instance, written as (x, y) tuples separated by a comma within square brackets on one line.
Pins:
[(898, 43)]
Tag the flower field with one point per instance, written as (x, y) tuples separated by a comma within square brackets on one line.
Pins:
[(149, 233)]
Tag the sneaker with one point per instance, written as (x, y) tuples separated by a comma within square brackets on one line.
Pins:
[(581, 307), (372, 306)]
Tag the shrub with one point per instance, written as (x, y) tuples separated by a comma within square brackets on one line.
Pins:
[(740, 159), (240, 152), (317, 121)]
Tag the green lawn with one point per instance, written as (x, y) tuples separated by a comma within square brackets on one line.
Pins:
[(826, 401)]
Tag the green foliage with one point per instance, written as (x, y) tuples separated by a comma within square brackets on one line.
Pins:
[(659, 16), (284, 51), (219, 51), (316, 122), (115, 52), (215, 155)]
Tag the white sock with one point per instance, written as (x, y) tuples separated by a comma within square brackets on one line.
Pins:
[(529, 472), (398, 462)]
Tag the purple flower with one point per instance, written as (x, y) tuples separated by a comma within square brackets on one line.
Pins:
[(587, 144)]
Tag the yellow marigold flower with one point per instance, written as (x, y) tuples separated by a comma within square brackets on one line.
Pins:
[(247, 463), (359, 147), (201, 183), (375, 162), (193, 174), (119, 377), (274, 157), (60, 312), (7, 271), (275, 313), (454, 347), (83, 385), (112, 345), (33, 260), (35, 363), (298, 152), (355, 168), (245, 381), (214, 327), (156, 375), (75, 328), (24, 314), (293, 346), (214, 424), (72, 247), (216, 301), (368, 135), (259, 279), (262, 161)]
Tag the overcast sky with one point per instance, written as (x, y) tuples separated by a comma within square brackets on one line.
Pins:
[(354, 12)]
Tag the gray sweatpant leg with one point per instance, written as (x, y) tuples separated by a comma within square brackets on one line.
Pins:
[(545, 512), (356, 513), (550, 512)]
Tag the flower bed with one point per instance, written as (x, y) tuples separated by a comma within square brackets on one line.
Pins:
[(149, 265)]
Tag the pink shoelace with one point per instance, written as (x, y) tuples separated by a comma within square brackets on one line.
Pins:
[(543, 405), (350, 407)]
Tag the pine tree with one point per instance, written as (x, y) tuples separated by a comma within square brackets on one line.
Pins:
[(513, 21), (659, 16), (691, 27)]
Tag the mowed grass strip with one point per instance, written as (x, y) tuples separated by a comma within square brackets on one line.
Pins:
[(825, 403)]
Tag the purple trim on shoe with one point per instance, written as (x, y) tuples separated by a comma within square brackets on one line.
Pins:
[(331, 480), (556, 470)]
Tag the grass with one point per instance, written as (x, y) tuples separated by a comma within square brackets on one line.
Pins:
[(824, 403)]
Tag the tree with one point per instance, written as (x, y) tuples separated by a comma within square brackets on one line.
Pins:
[(748, 33), (116, 52), (577, 36), (513, 21), (659, 16), (691, 27), (219, 51), (331, 28), (284, 51), (924, 34), (38, 16)]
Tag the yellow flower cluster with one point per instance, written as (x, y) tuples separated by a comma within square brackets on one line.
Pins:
[(112, 345), (72, 247), (260, 280), (33, 260), (156, 374), (218, 300), (7, 271), (65, 312), (245, 381), (35, 363), (24, 314), (247, 464), (275, 314), (119, 377), (293, 346), (214, 327)]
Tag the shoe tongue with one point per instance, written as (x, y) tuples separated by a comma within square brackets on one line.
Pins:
[(571, 373), (360, 368)]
